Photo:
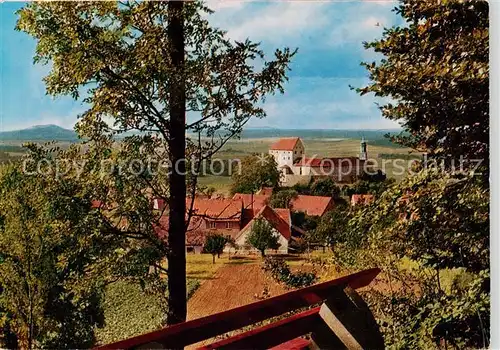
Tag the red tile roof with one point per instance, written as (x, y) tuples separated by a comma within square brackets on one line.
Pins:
[(214, 209), (276, 218), (328, 162), (266, 191), (286, 144), (220, 208), (284, 214), (312, 205), (258, 200)]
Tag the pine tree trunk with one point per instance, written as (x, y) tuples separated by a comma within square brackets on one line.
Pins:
[(177, 307)]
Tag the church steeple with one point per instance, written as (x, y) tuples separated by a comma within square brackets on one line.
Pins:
[(363, 155)]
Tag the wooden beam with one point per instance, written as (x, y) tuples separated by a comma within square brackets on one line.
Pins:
[(273, 334), (350, 319), (194, 331)]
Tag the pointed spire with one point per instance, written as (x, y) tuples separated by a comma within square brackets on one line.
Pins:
[(363, 154)]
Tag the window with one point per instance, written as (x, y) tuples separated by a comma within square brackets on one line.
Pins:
[(211, 224), (228, 224)]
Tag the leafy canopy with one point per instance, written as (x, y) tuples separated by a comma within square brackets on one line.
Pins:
[(262, 237), (256, 171), (215, 243), (435, 72), (52, 255)]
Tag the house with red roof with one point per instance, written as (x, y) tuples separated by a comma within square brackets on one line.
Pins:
[(208, 216), (296, 167), (280, 222), (311, 205)]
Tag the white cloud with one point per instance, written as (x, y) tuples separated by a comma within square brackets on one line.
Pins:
[(361, 24), (273, 22), (324, 103), (218, 5)]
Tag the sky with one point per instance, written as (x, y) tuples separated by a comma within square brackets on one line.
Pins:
[(328, 35)]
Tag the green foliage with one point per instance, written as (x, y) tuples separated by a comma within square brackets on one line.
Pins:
[(215, 243), (332, 229), (51, 248), (130, 310), (281, 272), (441, 223), (304, 221), (369, 185), (435, 72), (282, 198), (262, 237), (325, 187), (256, 172)]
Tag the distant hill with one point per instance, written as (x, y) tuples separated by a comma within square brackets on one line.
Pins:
[(39, 133), (43, 133), (251, 133)]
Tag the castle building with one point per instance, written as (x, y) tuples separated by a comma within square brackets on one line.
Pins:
[(290, 156)]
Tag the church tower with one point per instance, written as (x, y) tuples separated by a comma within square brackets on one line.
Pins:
[(363, 155)]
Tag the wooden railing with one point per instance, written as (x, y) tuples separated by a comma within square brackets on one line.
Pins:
[(342, 320)]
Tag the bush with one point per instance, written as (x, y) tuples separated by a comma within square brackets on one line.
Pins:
[(280, 271)]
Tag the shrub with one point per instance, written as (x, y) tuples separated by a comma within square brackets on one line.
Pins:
[(280, 271)]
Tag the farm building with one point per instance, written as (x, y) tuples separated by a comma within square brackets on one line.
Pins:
[(290, 156)]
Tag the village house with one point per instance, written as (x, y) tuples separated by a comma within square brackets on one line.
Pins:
[(280, 222), (229, 217), (209, 215), (296, 167), (235, 217), (310, 205)]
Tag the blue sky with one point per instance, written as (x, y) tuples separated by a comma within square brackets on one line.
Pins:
[(329, 35)]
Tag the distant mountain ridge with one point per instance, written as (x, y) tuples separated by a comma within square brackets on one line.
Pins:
[(54, 132), (40, 133)]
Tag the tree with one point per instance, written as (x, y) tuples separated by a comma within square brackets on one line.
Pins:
[(325, 187), (282, 198), (332, 228), (142, 66), (215, 244), (256, 172), (442, 226), (262, 237), (435, 72), (52, 254)]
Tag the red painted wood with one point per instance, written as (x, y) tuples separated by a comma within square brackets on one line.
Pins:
[(294, 344), (270, 335), (194, 331)]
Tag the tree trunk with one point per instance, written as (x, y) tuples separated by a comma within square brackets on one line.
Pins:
[(177, 304), (263, 252), (213, 258)]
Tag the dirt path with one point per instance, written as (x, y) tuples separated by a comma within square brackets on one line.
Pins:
[(233, 285)]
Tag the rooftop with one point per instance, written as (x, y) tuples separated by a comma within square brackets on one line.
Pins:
[(285, 144)]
